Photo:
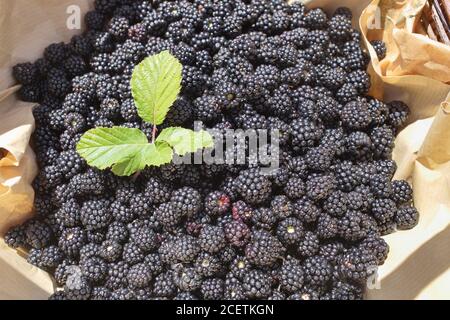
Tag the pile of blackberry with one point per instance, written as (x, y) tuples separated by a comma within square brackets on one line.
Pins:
[(310, 230)]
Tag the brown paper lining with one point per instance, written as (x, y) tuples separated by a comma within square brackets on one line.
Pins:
[(414, 71)]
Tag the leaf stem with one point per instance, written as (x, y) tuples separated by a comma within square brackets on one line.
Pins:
[(154, 133)]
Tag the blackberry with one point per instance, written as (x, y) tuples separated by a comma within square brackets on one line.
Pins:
[(100, 294), (145, 238), (316, 19), (237, 233), (25, 73), (38, 234), (331, 251), (317, 270), (242, 211), (239, 267), (153, 261), (57, 83), (117, 275), (16, 237), (212, 289), (94, 20), (319, 186), (94, 269), (340, 27), (308, 245), (181, 113), (327, 226), (35, 257), (401, 191), (183, 249), (110, 250), (72, 240), (347, 175), (268, 75), (264, 218), (376, 245), (380, 48), (75, 65), (359, 145), (117, 231), (382, 141), (305, 133), (212, 239), (353, 226), (77, 288), (167, 216), (89, 250), (295, 188), (346, 291), (217, 203), (356, 115), (398, 113), (381, 186), (80, 45), (56, 53), (187, 279), (290, 231), (139, 276), (336, 203), (186, 200), (120, 212), (95, 214), (379, 112), (253, 186), (257, 285), (208, 265), (406, 217), (58, 296), (70, 163), (291, 276), (306, 210), (281, 207), (132, 254), (383, 209), (164, 286), (357, 265), (264, 249)]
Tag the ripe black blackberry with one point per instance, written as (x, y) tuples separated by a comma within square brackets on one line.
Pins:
[(70, 163), (212, 289), (242, 211), (357, 264), (354, 225), (376, 245), (264, 218), (94, 269), (208, 265), (25, 73), (72, 240), (381, 186), (281, 207), (291, 276), (340, 27), (117, 275), (264, 249), (182, 248), (336, 203), (306, 210), (100, 294), (317, 270), (346, 291), (316, 19), (38, 234), (110, 250), (398, 113), (167, 216), (212, 239), (356, 115), (305, 133), (382, 141), (77, 288), (290, 231), (91, 182), (347, 175), (237, 233), (358, 144), (383, 209), (139, 276), (327, 227), (186, 201), (406, 217), (164, 286), (117, 231), (401, 191), (295, 187), (380, 48), (257, 285), (308, 245), (187, 279), (253, 186), (145, 238), (132, 254), (320, 186), (95, 214), (16, 237)]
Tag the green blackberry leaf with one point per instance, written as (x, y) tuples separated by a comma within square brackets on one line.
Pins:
[(155, 85), (186, 141), (126, 150)]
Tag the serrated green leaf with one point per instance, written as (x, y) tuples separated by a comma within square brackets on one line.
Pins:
[(186, 141), (103, 147), (160, 153), (155, 85)]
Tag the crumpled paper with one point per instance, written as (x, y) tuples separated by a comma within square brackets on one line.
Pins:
[(415, 70)]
